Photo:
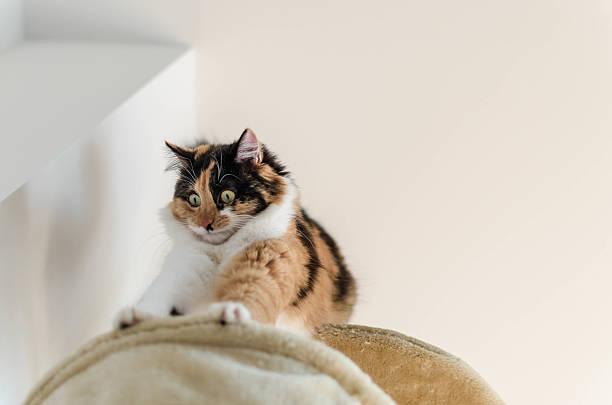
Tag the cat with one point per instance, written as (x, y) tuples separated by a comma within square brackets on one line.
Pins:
[(244, 249)]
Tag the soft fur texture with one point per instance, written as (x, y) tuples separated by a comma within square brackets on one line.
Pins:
[(253, 255), (191, 360)]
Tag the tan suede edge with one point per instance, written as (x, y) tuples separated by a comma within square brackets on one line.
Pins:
[(411, 371)]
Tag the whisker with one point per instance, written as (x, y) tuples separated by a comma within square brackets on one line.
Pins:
[(218, 168), (305, 237), (229, 174), (195, 178)]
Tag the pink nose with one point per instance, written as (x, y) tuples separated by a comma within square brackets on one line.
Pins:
[(205, 224)]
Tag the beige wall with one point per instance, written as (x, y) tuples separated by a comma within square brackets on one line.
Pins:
[(458, 151)]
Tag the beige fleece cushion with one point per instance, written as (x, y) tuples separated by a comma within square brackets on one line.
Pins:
[(190, 360), (410, 371)]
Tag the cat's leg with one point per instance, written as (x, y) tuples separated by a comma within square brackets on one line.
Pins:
[(185, 279), (256, 283)]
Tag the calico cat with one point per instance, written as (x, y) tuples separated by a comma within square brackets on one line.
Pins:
[(243, 246)]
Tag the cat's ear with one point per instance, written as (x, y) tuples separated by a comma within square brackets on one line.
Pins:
[(183, 156), (249, 149)]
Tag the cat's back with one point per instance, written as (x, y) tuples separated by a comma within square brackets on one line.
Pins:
[(328, 287)]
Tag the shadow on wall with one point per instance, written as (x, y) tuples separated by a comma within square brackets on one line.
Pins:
[(115, 20), (75, 259), (14, 290), (48, 229)]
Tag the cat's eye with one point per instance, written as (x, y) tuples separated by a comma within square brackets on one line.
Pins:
[(195, 200), (228, 196)]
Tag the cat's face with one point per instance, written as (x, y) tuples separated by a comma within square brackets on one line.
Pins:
[(221, 187)]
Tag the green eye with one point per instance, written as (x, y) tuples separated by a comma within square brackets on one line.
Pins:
[(227, 196), (195, 200)]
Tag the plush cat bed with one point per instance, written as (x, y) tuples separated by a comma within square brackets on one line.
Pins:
[(190, 360)]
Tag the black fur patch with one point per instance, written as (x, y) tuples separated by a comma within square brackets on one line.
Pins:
[(344, 281), (270, 159), (313, 263)]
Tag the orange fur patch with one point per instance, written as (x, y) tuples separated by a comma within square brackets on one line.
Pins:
[(201, 150), (266, 277)]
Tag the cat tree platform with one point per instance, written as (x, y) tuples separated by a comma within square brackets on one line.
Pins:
[(191, 360)]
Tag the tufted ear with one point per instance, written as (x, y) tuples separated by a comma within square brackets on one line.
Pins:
[(184, 156), (249, 149)]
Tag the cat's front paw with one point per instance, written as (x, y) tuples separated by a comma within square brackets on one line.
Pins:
[(130, 316), (229, 312)]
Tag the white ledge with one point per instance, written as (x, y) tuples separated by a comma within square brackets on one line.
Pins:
[(52, 93)]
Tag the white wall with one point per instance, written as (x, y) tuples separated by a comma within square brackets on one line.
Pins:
[(82, 239), (54, 91), (459, 152), (11, 19)]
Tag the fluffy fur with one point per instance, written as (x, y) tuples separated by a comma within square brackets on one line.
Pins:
[(256, 255)]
